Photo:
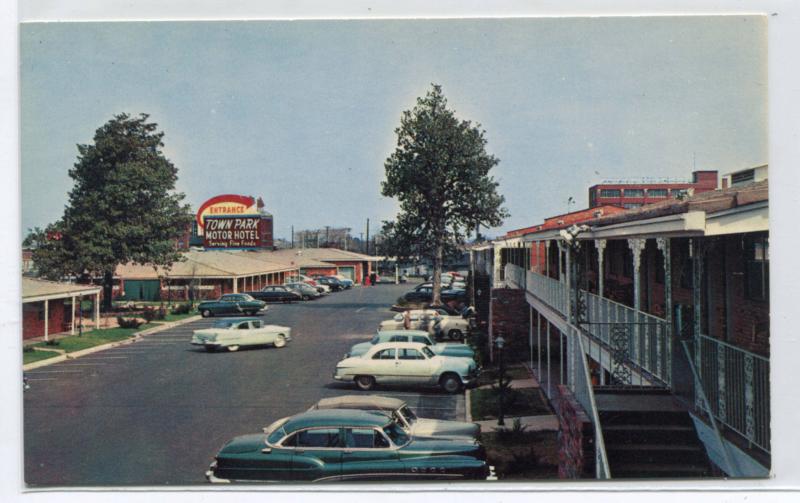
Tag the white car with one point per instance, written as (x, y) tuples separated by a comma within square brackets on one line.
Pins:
[(402, 414), (233, 333), (407, 363), (433, 321)]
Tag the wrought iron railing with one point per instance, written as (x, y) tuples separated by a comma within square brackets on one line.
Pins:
[(580, 383), (515, 276), (736, 383), (632, 338), (552, 291), (644, 338)]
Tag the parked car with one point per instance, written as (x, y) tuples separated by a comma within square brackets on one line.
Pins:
[(233, 333), (407, 363), (231, 303), (402, 414), (276, 293), (434, 321), (345, 445), (334, 284), (348, 283), (457, 350), (306, 291), (424, 293)]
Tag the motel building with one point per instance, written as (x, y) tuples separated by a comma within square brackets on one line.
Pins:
[(648, 331), (49, 307)]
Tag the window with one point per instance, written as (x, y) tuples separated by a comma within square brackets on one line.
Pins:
[(410, 354), (610, 193), (365, 438), (756, 251), (398, 338), (634, 192), (657, 193), (630, 206), (386, 354), (743, 177), (679, 193), (319, 438), (244, 326), (420, 338)]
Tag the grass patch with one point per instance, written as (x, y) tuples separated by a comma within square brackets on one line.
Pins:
[(522, 455), (74, 343), (35, 356), (489, 375), (484, 403), (175, 317)]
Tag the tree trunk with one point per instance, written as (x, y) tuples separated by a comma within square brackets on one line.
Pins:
[(108, 290), (436, 300)]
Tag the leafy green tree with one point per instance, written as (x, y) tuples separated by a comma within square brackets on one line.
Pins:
[(439, 174), (122, 208)]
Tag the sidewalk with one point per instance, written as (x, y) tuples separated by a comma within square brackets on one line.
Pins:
[(547, 422)]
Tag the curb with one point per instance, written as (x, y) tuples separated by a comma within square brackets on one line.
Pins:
[(94, 349)]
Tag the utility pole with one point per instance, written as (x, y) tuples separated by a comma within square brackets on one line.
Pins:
[(327, 236), (368, 236), (293, 236)]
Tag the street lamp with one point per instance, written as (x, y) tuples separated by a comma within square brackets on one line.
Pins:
[(500, 342)]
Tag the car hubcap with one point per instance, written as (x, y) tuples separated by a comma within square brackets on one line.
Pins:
[(233, 348), (280, 341)]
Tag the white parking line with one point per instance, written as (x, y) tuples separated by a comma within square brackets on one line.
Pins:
[(360, 309), (103, 357), (68, 364)]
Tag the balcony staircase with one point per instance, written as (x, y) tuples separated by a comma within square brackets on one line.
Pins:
[(649, 435)]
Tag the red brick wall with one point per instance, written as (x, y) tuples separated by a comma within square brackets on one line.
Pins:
[(32, 326), (575, 438), (324, 271), (511, 318)]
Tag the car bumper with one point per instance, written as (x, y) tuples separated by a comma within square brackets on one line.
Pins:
[(212, 478)]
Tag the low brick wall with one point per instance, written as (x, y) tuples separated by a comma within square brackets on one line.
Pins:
[(575, 438)]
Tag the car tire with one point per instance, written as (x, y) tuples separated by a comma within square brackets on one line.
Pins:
[(455, 335), (450, 383), (206, 313), (280, 341), (365, 383), (306, 297), (233, 348), (211, 349)]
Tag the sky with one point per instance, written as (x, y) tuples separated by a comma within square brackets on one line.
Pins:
[(303, 113)]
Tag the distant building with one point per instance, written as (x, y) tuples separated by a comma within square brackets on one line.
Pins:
[(635, 193), (744, 176)]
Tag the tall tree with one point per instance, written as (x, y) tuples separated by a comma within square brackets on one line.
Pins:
[(122, 208), (439, 174)]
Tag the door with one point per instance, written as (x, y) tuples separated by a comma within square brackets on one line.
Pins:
[(348, 272), (317, 454), (368, 456), (382, 366), (413, 366)]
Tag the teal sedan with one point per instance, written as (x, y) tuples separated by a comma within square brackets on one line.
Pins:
[(345, 445), (231, 303)]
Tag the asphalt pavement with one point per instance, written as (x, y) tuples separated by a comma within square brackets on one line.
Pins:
[(155, 412)]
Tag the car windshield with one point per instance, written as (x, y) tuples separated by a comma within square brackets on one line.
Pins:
[(223, 324), (396, 434), (275, 431), (408, 414), (427, 351), (376, 339)]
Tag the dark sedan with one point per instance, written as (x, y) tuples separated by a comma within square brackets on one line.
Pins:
[(232, 303), (424, 293), (276, 293), (345, 445), (333, 283)]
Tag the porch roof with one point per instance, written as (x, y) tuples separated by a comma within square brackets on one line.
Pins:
[(35, 290), (208, 264)]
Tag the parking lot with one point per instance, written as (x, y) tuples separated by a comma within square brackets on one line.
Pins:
[(156, 411)]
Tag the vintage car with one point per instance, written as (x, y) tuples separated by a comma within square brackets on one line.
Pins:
[(345, 445), (231, 303), (407, 363), (348, 283), (334, 284), (400, 411), (276, 293), (424, 293), (306, 291), (233, 333), (433, 321), (457, 350)]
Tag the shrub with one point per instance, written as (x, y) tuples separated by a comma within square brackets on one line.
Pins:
[(27, 349), (479, 341), (181, 309), (51, 342), (128, 322), (161, 313)]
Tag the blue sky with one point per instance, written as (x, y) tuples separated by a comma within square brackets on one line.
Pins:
[(302, 113)]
